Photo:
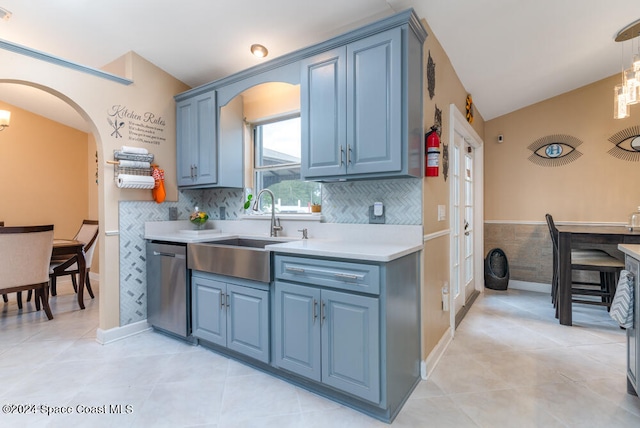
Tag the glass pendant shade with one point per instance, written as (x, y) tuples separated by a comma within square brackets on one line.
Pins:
[(620, 108), (632, 83)]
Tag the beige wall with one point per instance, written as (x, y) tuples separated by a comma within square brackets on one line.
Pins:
[(43, 171), (48, 170), (448, 90), (596, 187), (93, 97)]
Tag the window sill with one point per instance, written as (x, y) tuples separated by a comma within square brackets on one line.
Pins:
[(294, 217)]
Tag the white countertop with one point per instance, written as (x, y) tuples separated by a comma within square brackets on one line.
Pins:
[(632, 250), (381, 243), (382, 252)]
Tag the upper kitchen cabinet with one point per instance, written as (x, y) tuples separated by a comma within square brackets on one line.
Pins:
[(197, 155), (361, 105)]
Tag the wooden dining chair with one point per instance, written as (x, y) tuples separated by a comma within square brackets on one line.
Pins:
[(88, 234), (593, 260), (4, 296), (25, 254)]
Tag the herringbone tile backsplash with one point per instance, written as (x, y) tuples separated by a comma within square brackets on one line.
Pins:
[(343, 202)]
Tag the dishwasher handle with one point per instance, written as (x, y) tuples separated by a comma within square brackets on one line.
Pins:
[(163, 254)]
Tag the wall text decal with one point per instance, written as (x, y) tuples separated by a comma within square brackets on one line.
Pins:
[(146, 128)]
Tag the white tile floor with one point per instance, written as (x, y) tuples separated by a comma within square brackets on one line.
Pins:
[(510, 365)]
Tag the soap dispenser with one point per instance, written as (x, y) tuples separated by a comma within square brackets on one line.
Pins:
[(634, 220)]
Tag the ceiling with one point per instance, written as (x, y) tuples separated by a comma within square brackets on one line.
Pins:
[(508, 54)]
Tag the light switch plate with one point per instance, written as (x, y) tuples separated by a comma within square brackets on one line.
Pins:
[(373, 219), (442, 212)]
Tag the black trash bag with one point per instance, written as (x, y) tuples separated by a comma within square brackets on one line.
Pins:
[(496, 270)]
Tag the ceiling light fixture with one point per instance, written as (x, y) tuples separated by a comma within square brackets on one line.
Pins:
[(5, 117), (259, 51), (5, 14), (628, 91)]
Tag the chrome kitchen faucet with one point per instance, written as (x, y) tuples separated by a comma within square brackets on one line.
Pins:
[(275, 228)]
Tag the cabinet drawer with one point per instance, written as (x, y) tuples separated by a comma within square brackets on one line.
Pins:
[(359, 277)]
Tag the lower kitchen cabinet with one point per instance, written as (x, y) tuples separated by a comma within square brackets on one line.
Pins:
[(231, 313), (349, 329), (633, 333), (329, 336)]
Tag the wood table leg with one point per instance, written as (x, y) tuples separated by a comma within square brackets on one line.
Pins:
[(82, 272), (564, 279)]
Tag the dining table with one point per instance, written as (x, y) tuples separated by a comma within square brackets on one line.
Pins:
[(581, 236), (66, 248)]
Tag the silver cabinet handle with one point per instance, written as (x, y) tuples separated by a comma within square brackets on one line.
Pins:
[(195, 168), (294, 269), (340, 154), (315, 311), (322, 312), (222, 300), (348, 154), (227, 300), (346, 275)]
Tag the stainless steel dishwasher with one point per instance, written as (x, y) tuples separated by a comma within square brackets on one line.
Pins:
[(168, 289)]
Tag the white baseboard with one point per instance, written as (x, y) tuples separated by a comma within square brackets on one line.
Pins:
[(427, 366), (113, 334), (530, 286)]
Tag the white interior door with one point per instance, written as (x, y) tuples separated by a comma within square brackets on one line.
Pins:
[(466, 221), (457, 292)]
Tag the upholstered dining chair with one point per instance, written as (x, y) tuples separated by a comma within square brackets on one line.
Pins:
[(25, 254), (88, 234), (595, 260)]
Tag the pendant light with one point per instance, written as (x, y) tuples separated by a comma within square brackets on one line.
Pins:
[(628, 91)]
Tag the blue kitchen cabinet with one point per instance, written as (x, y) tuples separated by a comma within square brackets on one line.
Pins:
[(231, 313), (328, 336), (197, 153), (348, 329), (361, 108), (633, 333)]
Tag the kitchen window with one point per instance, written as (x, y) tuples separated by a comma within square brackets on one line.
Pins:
[(277, 149)]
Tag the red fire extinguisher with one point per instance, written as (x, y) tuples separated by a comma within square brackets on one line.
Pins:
[(432, 160)]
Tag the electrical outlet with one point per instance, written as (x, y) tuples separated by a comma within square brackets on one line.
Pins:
[(223, 214), (375, 219), (445, 297), (173, 213)]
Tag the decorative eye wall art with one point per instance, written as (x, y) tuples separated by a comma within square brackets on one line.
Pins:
[(554, 150), (626, 144), (431, 76)]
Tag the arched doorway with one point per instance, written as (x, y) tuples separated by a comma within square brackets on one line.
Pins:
[(48, 161)]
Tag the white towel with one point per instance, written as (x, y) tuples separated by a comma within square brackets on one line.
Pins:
[(134, 164), (622, 306), (136, 150)]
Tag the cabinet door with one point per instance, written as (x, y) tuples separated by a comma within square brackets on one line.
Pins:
[(196, 140), (351, 344), (322, 113), (633, 349), (185, 141), (374, 104), (297, 329), (208, 310), (248, 321)]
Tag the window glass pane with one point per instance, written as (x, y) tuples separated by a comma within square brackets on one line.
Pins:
[(292, 195), (278, 143), (277, 168)]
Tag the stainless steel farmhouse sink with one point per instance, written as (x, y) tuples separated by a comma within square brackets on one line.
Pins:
[(237, 257)]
